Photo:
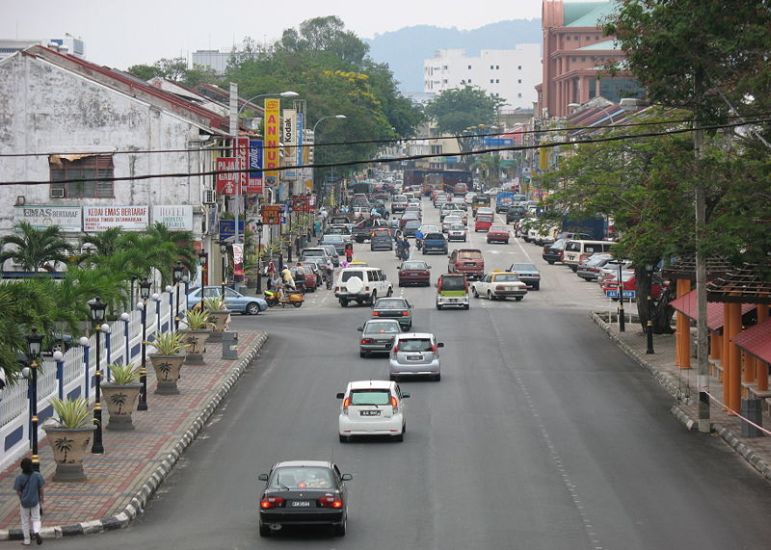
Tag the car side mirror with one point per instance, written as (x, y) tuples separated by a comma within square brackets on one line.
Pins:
[(346, 477), (360, 329), (405, 396), (263, 477), (440, 345), (428, 267), (340, 395)]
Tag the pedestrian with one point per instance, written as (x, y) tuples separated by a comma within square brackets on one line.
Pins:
[(29, 487)]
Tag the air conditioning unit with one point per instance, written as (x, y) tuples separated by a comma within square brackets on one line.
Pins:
[(57, 193), (209, 196), (21, 200)]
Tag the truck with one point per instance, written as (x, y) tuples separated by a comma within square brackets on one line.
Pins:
[(595, 228), (503, 200)]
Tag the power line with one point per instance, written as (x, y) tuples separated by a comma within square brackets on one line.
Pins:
[(394, 159)]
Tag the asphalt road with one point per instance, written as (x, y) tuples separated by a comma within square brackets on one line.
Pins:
[(541, 435)]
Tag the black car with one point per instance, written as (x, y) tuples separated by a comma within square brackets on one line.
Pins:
[(394, 308), (515, 213), (304, 492)]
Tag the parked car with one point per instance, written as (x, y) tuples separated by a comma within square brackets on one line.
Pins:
[(499, 286), (316, 268), (528, 273), (234, 301), (372, 407), (457, 232), (553, 252), (468, 261), (303, 492), (415, 354), (576, 251), (394, 308), (414, 272), (377, 336), (589, 269), (434, 242), (498, 234)]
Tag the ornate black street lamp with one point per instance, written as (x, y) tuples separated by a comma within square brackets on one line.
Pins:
[(177, 273), (259, 256), (186, 282), (34, 344), (98, 308), (144, 293)]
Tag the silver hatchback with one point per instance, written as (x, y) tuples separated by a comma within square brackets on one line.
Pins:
[(415, 354)]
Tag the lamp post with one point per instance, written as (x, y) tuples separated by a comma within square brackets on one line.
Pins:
[(204, 257), (59, 358), (126, 318), (186, 282), (621, 319), (649, 323), (34, 343), (259, 256), (223, 255), (98, 308), (177, 273), (144, 293)]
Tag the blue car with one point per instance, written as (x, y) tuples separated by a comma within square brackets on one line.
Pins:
[(234, 301), (434, 242)]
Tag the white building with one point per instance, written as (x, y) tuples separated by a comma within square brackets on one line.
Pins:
[(510, 74), (69, 44)]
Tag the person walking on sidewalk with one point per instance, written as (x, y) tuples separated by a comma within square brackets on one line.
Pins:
[(29, 487)]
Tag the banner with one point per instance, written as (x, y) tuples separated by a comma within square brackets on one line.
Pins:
[(174, 217), (226, 177), (238, 262), (307, 160), (128, 218), (255, 167), (289, 138), (68, 218), (242, 161), (271, 214), (271, 156), (299, 131)]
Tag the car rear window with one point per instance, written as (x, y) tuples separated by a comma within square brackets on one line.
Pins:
[(370, 397), (313, 252), (523, 267), (506, 278), (415, 344), (301, 478), (453, 283), (414, 265), (470, 254), (382, 328), (412, 224), (457, 227), (484, 217), (348, 274), (573, 246), (435, 236)]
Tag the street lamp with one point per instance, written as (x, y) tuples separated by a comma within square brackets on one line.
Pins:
[(339, 117), (98, 308), (186, 282), (649, 323), (126, 318), (34, 344), (177, 273), (203, 256), (259, 256), (144, 293), (287, 94), (223, 256)]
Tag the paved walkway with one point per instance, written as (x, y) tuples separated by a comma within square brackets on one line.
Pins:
[(682, 384), (121, 481)]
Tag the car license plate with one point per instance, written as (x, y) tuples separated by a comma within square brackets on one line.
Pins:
[(414, 357), (369, 413), (453, 300), (301, 503)]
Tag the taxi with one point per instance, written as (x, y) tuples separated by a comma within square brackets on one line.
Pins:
[(499, 285), (358, 263)]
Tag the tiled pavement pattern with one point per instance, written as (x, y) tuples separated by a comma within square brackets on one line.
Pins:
[(122, 479), (682, 384)]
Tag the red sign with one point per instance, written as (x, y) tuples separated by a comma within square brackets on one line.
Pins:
[(242, 157), (301, 203), (271, 214), (226, 175)]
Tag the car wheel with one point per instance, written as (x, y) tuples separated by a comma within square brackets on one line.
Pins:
[(551, 262), (399, 437), (297, 304), (252, 308), (341, 528), (344, 438), (438, 307), (518, 298), (537, 286), (466, 306), (343, 302), (400, 284), (474, 291), (373, 297), (437, 377), (490, 296)]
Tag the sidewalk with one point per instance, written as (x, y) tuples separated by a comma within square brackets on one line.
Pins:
[(122, 480), (682, 385)]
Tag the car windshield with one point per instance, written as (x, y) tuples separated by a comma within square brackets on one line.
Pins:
[(414, 265), (453, 283), (499, 228), (348, 274), (415, 344), (573, 246), (332, 238), (505, 278), (291, 478), (391, 327), (391, 303), (523, 267), (400, 198), (412, 224), (337, 230), (313, 252), (370, 397)]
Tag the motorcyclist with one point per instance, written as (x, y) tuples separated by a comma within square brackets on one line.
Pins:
[(286, 276), (419, 239), (329, 272)]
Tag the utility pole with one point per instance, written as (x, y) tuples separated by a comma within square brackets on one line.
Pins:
[(701, 264)]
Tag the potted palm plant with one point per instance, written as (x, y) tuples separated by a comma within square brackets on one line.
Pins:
[(219, 316), (167, 361), (69, 433), (121, 394), (198, 330)]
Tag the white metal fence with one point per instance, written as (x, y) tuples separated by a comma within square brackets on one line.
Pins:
[(69, 379)]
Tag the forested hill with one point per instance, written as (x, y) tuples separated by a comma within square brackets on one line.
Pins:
[(405, 49)]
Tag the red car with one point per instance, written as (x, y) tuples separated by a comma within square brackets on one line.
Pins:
[(415, 272), (308, 281), (468, 261), (629, 284), (498, 234)]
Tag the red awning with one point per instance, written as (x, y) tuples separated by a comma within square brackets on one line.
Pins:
[(686, 304), (756, 340)]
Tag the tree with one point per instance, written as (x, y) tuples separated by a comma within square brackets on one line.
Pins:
[(458, 110), (175, 70), (33, 249)]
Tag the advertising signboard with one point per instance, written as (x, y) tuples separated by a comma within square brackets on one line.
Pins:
[(255, 167), (226, 176), (271, 157), (174, 217), (242, 161), (301, 203), (128, 218), (271, 214), (68, 218), (289, 138), (228, 228)]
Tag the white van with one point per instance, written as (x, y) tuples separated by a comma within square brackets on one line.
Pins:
[(362, 284), (578, 251)]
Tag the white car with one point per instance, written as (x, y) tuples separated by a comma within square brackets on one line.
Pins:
[(450, 221), (456, 232), (499, 286), (362, 284), (372, 407)]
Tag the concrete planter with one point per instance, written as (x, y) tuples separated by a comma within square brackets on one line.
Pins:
[(69, 446), (220, 320), (167, 369), (195, 344), (121, 400)]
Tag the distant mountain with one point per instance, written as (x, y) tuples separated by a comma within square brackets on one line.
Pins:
[(404, 50)]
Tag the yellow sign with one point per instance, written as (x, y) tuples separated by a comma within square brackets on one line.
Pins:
[(271, 156)]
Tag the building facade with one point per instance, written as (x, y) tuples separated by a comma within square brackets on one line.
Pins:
[(510, 74), (576, 55), (69, 44)]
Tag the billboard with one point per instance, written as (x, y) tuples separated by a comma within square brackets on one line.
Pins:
[(68, 218), (271, 157), (226, 176), (241, 152), (174, 217), (289, 138), (255, 167), (128, 218)]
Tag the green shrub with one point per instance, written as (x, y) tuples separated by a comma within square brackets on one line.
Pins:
[(123, 374), (72, 413)]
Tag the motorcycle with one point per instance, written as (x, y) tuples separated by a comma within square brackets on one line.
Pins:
[(292, 297)]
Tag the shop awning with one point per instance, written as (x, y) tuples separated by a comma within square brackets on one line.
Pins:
[(756, 340), (686, 305)]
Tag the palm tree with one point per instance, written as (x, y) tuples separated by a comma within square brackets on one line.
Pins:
[(34, 248), (119, 399), (103, 244), (12, 340)]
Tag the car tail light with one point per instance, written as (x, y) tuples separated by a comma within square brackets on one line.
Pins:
[(405, 313), (346, 404), (365, 341), (500, 287), (376, 314), (330, 502), (394, 403), (396, 349), (434, 348), (272, 502)]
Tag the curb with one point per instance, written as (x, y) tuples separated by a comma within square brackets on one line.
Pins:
[(670, 384), (138, 502)]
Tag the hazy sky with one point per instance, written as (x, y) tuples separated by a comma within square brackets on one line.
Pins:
[(120, 33)]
